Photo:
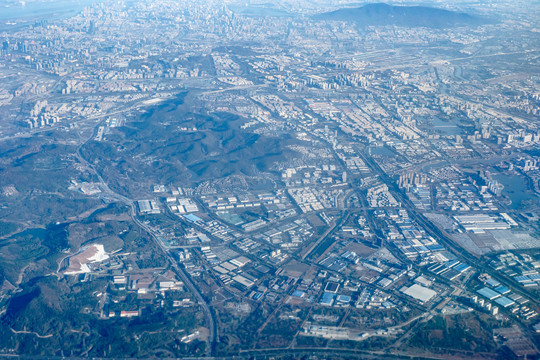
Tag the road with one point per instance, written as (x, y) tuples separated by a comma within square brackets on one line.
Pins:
[(323, 352), (212, 328), (334, 225), (461, 254)]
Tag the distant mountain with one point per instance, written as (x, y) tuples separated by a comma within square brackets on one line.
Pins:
[(409, 16)]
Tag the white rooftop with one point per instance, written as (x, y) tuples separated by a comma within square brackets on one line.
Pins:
[(420, 292)]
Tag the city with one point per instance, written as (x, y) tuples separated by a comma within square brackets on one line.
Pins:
[(270, 180)]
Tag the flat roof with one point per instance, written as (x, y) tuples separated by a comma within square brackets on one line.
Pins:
[(488, 293), (327, 298), (504, 301), (331, 287), (420, 292), (502, 289), (462, 267), (493, 282), (242, 280), (192, 218), (220, 269)]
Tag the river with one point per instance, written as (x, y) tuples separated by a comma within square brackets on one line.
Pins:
[(17, 14)]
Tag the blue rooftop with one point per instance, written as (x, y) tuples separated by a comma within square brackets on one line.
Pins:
[(435, 247), (192, 218), (504, 301), (493, 282), (462, 267), (488, 293), (344, 298), (502, 289), (327, 298)]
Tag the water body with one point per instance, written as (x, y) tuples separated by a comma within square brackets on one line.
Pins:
[(17, 14), (515, 187), (44, 9)]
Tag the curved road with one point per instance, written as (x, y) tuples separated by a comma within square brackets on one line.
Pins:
[(212, 328)]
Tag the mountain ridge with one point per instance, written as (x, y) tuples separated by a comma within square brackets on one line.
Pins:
[(380, 14)]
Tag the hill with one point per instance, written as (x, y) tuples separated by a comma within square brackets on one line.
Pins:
[(162, 147), (409, 16)]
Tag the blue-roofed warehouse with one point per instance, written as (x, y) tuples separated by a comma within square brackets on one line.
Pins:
[(488, 293), (327, 299), (504, 301)]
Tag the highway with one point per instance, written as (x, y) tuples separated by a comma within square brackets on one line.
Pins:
[(462, 254)]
